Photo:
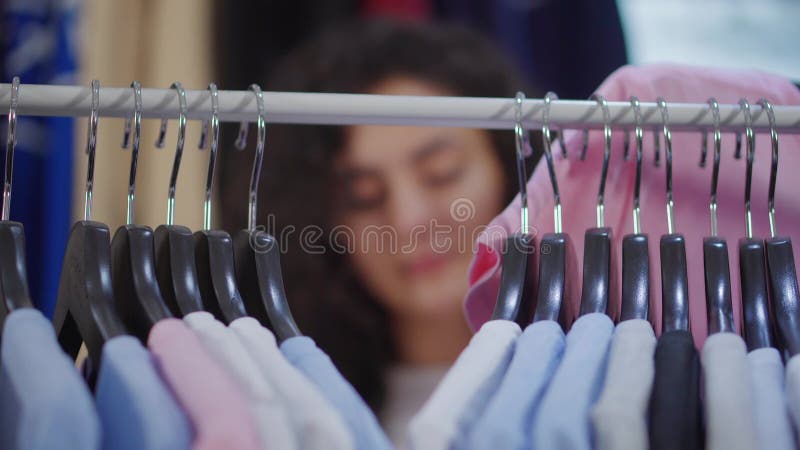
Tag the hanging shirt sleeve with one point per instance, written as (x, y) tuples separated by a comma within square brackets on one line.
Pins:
[(44, 403)]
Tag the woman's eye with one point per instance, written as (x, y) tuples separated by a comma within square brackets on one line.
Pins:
[(440, 165), (443, 177), (362, 193), (441, 169)]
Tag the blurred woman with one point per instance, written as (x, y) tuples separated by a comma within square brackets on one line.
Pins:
[(379, 284)]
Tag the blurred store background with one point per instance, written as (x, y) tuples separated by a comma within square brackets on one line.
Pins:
[(567, 46)]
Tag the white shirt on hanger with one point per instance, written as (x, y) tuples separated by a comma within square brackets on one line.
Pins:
[(466, 389), (773, 425), (793, 390), (316, 423), (265, 405), (620, 415), (728, 400)]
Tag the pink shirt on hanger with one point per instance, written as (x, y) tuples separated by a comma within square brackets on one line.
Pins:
[(216, 406), (579, 182)]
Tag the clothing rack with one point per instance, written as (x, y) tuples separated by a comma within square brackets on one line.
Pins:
[(357, 109)]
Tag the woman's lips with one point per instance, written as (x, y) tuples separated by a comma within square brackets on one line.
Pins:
[(424, 265)]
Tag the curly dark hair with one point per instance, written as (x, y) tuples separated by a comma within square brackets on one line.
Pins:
[(327, 300)]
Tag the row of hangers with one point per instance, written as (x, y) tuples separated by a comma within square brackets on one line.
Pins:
[(768, 273), (125, 284)]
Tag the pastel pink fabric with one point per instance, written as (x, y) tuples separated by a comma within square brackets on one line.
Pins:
[(215, 405), (579, 183)]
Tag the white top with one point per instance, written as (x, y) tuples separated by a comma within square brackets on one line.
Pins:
[(728, 399), (316, 423), (466, 388), (793, 389), (407, 389), (773, 425), (265, 405), (620, 415)]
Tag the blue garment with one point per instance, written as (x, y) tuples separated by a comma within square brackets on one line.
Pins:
[(303, 353), (44, 403), (39, 45), (136, 409), (506, 422), (563, 420)]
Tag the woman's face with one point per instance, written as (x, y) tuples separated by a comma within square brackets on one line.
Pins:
[(411, 200)]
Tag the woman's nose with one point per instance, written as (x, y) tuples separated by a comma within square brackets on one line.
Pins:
[(411, 210)]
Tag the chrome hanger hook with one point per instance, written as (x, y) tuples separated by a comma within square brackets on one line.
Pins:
[(241, 137), (585, 145), (773, 174), (176, 162), (91, 146), (638, 133), (738, 152), (548, 153), (656, 149), (137, 132), (561, 143), (626, 146), (601, 101), (521, 141), (703, 148), (211, 125), (744, 106), (662, 107), (255, 174), (11, 143), (714, 105)]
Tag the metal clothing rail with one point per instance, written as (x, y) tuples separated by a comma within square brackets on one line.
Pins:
[(355, 109)]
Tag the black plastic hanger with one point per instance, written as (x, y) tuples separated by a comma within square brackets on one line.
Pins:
[(786, 296), (554, 254), (14, 292), (635, 250), (174, 245), (84, 310), (674, 278), (555, 248), (719, 307), (514, 296), (780, 261), (133, 275), (597, 241), (257, 254), (635, 277), (758, 331), (214, 248)]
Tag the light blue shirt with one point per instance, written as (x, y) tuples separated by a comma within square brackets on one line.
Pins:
[(303, 353), (136, 409), (563, 420), (44, 402), (505, 424)]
